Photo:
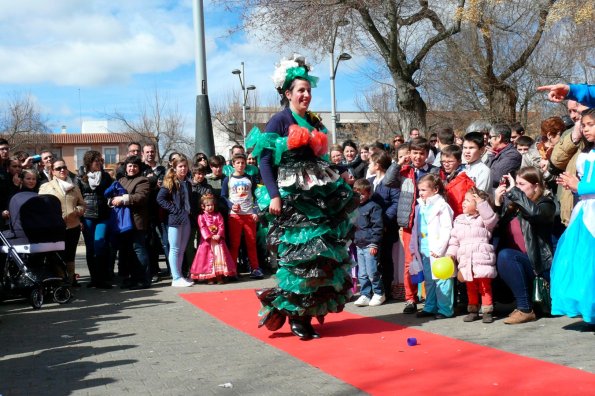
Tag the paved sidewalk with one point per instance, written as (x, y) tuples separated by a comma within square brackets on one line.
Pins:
[(154, 342)]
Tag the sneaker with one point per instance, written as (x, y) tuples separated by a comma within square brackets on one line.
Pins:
[(377, 299), (441, 316), (256, 274), (362, 301), (410, 308), (517, 317), (181, 282)]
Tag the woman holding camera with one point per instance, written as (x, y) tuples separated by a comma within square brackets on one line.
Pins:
[(525, 248)]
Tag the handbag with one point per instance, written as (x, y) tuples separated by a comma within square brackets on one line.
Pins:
[(541, 295)]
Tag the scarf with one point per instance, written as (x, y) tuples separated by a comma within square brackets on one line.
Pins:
[(94, 179), (65, 185)]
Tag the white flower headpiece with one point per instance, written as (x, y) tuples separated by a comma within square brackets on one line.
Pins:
[(288, 69)]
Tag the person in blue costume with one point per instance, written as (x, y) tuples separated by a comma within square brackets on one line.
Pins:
[(573, 269), (310, 210)]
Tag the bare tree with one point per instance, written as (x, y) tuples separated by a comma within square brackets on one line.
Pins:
[(227, 114), (159, 122), (380, 109), (398, 34), (503, 52), (22, 123)]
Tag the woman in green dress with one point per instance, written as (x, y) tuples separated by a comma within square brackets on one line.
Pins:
[(310, 210)]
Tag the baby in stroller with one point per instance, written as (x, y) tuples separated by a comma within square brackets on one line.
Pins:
[(29, 260)]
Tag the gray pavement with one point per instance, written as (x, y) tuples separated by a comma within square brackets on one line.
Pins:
[(154, 342)]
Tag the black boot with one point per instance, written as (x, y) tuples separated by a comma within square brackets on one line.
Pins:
[(299, 327), (308, 323)]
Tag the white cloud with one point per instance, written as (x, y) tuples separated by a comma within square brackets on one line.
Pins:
[(91, 43)]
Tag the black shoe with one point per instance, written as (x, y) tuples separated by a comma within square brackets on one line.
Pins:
[(140, 286), (410, 308), (299, 329), (126, 283), (424, 314), (91, 284), (163, 273), (103, 285), (155, 279), (441, 316)]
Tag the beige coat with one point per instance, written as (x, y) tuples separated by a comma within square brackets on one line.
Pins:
[(564, 157), (73, 204)]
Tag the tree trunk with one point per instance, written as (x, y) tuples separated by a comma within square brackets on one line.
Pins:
[(411, 107), (502, 100)]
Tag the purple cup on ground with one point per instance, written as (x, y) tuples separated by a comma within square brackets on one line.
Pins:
[(412, 341)]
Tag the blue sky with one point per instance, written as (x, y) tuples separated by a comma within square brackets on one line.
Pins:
[(85, 59)]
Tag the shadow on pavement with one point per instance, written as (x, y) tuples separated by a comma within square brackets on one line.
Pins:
[(58, 346)]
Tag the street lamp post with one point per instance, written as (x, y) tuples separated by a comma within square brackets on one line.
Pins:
[(203, 134), (333, 66), (245, 90)]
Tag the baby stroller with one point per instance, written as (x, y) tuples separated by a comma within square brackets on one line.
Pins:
[(32, 266)]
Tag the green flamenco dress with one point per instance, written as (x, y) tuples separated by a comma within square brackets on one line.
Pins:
[(309, 237)]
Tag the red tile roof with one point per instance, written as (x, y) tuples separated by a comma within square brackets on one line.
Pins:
[(88, 138)]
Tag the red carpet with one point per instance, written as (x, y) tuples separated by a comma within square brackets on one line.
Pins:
[(373, 355)]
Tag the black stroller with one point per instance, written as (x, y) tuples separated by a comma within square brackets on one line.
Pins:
[(32, 266)]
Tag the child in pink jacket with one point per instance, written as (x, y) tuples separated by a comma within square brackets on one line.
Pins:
[(470, 245)]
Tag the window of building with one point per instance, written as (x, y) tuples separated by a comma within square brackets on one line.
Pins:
[(79, 154), (110, 155)]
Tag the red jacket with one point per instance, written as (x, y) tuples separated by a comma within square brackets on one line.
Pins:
[(456, 190)]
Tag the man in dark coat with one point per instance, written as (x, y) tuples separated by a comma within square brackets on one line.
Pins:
[(506, 158)]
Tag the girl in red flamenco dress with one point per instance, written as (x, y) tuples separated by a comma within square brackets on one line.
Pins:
[(212, 261)]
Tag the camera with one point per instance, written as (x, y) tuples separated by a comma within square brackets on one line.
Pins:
[(568, 123), (36, 159), (504, 182)]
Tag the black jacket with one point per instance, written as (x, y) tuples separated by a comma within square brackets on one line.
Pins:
[(357, 168), (537, 221), (96, 202), (369, 225)]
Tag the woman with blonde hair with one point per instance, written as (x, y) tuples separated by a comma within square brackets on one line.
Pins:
[(174, 198)]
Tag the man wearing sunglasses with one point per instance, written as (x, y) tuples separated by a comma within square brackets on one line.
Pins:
[(397, 141)]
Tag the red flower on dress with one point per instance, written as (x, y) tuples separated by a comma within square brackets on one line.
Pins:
[(319, 143), (297, 137)]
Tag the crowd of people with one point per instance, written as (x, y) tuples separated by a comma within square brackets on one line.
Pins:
[(508, 209)]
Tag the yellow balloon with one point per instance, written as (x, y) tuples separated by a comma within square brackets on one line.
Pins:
[(443, 267)]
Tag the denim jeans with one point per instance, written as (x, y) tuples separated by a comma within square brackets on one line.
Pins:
[(370, 279), (515, 269), (94, 234), (134, 246), (177, 238), (439, 292)]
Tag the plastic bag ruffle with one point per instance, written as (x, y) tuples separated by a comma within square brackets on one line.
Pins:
[(266, 140), (325, 299)]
